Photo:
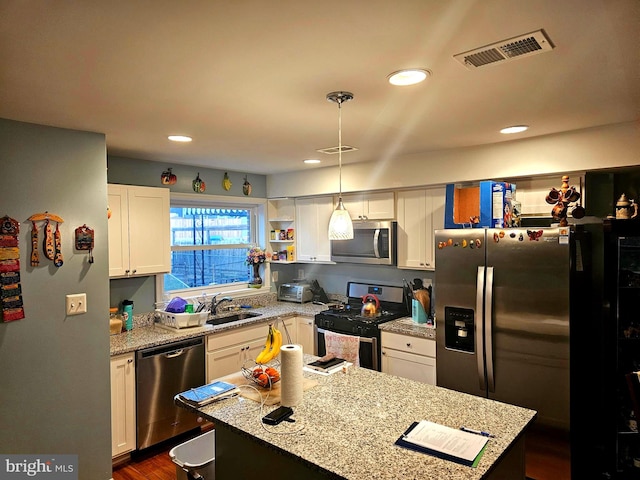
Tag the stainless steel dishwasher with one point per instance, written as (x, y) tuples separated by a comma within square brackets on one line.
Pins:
[(161, 373)]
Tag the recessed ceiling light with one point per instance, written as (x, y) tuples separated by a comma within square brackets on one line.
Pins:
[(408, 77), (311, 160), (179, 138), (515, 129)]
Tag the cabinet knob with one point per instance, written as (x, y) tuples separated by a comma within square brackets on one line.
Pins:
[(408, 345), (130, 360), (127, 271), (134, 272)]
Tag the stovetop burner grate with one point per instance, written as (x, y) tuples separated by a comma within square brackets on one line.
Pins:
[(355, 315)]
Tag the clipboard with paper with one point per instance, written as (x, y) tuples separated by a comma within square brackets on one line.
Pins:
[(444, 442)]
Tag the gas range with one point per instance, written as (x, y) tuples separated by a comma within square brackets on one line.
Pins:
[(390, 297), (348, 320)]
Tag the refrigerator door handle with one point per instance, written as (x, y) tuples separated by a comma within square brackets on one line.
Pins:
[(488, 329), (479, 334)]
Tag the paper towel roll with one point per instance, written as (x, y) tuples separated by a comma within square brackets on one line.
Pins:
[(291, 375)]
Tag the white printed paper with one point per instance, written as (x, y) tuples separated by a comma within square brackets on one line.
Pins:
[(447, 440)]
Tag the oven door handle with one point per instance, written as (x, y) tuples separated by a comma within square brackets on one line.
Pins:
[(372, 340)]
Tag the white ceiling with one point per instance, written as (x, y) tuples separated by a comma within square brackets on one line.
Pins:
[(248, 78)]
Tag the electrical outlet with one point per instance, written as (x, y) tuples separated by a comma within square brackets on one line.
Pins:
[(300, 273), (426, 282), (274, 276), (76, 304)]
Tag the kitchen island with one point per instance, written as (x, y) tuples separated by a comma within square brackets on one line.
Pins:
[(346, 426)]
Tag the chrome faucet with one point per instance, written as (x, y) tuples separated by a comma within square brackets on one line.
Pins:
[(215, 304)]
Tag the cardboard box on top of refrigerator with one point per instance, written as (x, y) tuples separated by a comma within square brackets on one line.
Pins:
[(488, 204)]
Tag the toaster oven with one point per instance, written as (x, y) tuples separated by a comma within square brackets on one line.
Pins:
[(295, 292)]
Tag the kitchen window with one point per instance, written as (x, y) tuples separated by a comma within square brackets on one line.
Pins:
[(210, 238)]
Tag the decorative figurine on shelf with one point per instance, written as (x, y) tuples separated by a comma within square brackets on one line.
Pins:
[(562, 200), (256, 256)]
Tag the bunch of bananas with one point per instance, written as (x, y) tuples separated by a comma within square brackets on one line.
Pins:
[(271, 347)]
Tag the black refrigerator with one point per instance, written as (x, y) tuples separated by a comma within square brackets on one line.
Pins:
[(512, 312), (620, 333)]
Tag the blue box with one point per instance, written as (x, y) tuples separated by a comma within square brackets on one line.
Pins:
[(489, 205)]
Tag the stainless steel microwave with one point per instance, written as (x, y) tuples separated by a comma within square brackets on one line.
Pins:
[(373, 243)]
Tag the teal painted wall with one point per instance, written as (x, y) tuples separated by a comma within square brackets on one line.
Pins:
[(132, 171), (55, 383)]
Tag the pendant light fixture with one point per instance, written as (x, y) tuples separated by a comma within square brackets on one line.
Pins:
[(340, 225)]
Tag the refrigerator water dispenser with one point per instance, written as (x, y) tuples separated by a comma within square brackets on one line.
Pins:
[(459, 333)]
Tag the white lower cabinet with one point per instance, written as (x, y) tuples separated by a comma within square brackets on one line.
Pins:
[(305, 334), (123, 404), (228, 351), (409, 357)]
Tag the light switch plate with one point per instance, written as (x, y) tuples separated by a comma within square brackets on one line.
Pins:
[(76, 304)]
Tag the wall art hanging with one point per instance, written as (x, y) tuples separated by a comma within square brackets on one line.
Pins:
[(168, 178), (85, 240), (10, 289), (246, 187), (226, 182), (52, 239), (198, 184)]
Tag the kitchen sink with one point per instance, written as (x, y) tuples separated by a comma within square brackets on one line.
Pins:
[(232, 318)]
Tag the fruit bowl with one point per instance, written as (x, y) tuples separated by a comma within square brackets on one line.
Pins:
[(262, 375)]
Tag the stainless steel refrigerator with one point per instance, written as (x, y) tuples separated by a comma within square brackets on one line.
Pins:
[(503, 315)]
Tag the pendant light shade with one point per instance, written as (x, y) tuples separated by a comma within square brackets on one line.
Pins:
[(340, 225)]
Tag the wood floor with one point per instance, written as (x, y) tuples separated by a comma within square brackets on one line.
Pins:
[(547, 458)]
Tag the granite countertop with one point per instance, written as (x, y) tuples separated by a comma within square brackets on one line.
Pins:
[(347, 424), (154, 334), (406, 326)]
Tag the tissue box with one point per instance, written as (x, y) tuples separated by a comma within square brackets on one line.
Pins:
[(489, 202)]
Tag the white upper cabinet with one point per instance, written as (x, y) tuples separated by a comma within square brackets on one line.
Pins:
[(420, 213), (139, 231), (370, 206), (312, 231)]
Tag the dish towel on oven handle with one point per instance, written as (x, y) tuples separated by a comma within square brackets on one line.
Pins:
[(343, 346)]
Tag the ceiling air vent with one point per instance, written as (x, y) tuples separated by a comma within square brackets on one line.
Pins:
[(334, 150), (516, 47)]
